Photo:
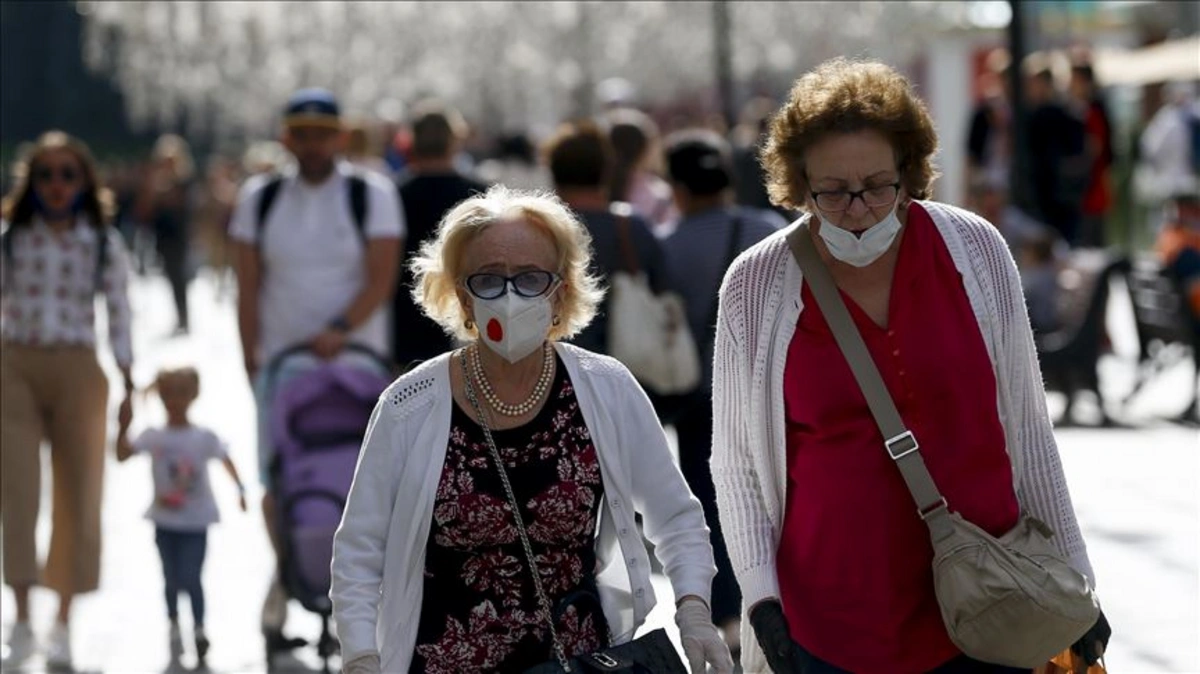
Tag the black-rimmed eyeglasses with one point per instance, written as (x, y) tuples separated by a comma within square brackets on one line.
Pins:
[(834, 201), (533, 283)]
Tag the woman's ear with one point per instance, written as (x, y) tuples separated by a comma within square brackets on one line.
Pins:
[(464, 303)]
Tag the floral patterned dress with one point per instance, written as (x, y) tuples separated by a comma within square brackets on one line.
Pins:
[(480, 612)]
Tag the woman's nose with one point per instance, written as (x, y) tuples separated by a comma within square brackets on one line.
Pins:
[(857, 208)]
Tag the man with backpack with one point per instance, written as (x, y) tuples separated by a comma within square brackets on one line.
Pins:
[(316, 248)]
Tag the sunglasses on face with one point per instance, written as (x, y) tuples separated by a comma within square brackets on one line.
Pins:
[(47, 174), (529, 284)]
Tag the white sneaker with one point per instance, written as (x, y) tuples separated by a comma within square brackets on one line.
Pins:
[(58, 647), (21, 645)]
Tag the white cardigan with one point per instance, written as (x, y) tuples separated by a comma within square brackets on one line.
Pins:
[(759, 304), (379, 550)]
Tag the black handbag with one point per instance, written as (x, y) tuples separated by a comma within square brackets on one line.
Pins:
[(652, 653)]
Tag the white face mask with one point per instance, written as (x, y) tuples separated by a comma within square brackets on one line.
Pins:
[(513, 326), (862, 250)]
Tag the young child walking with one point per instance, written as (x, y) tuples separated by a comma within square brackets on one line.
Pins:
[(183, 506)]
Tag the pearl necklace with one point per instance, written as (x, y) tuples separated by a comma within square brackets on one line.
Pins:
[(493, 400)]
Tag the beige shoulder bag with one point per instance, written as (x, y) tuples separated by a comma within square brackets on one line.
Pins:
[(1008, 601)]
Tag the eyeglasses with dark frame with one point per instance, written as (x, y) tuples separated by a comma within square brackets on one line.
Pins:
[(528, 284), (835, 201)]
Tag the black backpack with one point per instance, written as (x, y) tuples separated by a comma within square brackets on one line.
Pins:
[(6, 240), (355, 184)]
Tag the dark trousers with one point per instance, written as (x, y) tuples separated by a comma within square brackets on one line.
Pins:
[(174, 252), (960, 665), (182, 554), (692, 418)]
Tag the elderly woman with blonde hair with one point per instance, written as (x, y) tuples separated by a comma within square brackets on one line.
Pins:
[(490, 526)]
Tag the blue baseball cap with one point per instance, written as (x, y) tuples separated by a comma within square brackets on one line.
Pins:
[(312, 107)]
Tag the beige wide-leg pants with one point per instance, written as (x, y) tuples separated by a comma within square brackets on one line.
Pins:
[(58, 393)]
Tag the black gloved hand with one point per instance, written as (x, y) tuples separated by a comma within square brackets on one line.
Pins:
[(1092, 644), (771, 630)]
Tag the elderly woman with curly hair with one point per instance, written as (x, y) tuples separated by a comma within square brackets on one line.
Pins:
[(832, 558), (433, 572)]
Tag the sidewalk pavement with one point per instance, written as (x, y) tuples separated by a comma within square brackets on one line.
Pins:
[(1136, 492)]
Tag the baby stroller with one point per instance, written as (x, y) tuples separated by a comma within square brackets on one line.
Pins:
[(319, 412)]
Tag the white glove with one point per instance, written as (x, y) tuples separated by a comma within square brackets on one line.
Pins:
[(363, 664), (702, 644)]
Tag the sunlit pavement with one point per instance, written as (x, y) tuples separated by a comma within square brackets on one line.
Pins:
[(1135, 491)]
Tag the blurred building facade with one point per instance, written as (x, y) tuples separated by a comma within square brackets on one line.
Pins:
[(44, 82)]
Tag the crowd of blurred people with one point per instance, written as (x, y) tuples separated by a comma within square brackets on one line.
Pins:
[(1065, 198), (674, 201)]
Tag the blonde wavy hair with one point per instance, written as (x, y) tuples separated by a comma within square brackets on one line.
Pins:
[(438, 266)]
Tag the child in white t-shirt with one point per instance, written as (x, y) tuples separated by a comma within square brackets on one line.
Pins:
[(183, 506)]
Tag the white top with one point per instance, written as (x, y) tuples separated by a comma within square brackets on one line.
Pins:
[(49, 288), (1166, 152), (183, 498), (314, 263), (760, 303), (379, 550)]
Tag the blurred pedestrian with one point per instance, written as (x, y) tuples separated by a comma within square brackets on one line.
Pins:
[(989, 139), (1018, 228), (498, 482), (264, 156), (1178, 249), (1167, 162), (1060, 167), (429, 187), (581, 162), (833, 559), (213, 216), (183, 507), (310, 272), (634, 178), (59, 252), (166, 202), (712, 232), (1098, 199), (362, 150), (749, 182), (1039, 268)]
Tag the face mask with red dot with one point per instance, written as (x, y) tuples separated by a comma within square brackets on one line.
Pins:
[(513, 326)]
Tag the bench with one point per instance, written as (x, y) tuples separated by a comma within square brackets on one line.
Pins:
[(1069, 356), (1166, 335)]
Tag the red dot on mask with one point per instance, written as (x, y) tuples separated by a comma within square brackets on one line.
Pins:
[(495, 331)]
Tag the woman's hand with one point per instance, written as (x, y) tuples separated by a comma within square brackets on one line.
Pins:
[(771, 629), (329, 343), (702, 644), (1092, 644), (125, 416)]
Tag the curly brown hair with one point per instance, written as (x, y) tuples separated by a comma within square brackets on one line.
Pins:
[(845, 96)]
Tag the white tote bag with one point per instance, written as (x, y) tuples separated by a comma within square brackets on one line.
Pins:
[(649, 333)]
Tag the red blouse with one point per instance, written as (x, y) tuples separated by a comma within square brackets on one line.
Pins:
[(854, 557)]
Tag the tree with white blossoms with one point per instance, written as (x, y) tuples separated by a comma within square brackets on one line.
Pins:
[(222, 69)]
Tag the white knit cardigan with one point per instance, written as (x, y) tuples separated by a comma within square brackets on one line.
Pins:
[(379, 550), (760, 302)]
